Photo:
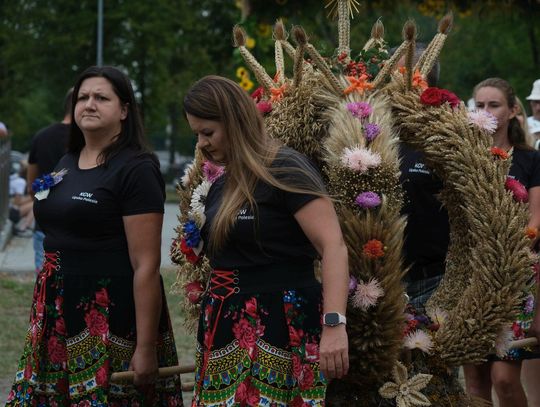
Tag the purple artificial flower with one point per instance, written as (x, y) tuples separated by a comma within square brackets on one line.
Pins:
[(371, 130), (360, 110), (353, 282), (368, 200)]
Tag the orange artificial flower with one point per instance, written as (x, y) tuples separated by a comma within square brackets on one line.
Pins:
[(373, 249), (499, 152), (402, 70), (277, 93), (531, 233), (358, 84), (418, 81)]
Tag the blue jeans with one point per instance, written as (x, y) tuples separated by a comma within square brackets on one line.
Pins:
[(38, 249), (420, 291)]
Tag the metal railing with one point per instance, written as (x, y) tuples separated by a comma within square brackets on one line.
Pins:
[(5, 166)]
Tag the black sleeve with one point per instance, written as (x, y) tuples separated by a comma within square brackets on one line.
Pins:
[(535, 170), (32, 155), (142, 189), (297, 171)]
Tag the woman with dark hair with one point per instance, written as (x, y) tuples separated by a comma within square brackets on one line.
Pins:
[(99, 305), (267, 335), (497, 97)]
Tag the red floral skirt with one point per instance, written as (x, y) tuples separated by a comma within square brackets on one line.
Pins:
[(82, 329), (258, 341)]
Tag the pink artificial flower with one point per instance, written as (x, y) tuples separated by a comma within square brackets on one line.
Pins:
[(212, 171), (353, 283), (360, 159), (368, 200), (484, 120), (367, 294), (264, 107), (360, 110), (518, 189)]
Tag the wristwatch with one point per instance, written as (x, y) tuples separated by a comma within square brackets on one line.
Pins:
[(334, 319)]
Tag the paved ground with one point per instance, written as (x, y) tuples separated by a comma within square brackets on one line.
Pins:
[(18, 256)]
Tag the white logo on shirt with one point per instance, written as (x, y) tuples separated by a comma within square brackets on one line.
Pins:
[(85, 196), (243, 215), (421, 168)]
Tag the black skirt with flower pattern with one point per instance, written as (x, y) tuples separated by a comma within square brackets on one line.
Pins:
[(258, 340), (82, 329)]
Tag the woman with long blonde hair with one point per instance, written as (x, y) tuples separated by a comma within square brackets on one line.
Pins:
[(267, 335)]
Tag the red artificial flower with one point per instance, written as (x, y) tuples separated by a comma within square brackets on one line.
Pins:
[(258, 94), (194, 291), (518, 189), (499, 152), (57, 350), (373, 249), (251, 307), (96, 323), (435, 97), (450, 97), (264, 107), (188, 252), (102, 298), (431, 96)]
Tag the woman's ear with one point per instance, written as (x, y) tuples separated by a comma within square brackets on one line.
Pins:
[(124, 111)]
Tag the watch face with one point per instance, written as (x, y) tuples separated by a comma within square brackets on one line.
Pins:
[(331, 318)]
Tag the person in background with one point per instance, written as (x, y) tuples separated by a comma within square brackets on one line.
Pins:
[(20, 204), (427, 232), (268, 217), (497, 97), (521, 115), (534, 120), (48, 146), (99, 305)]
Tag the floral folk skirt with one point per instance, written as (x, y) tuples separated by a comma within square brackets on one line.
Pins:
[(82, 329), (520, 327), (258, 340)]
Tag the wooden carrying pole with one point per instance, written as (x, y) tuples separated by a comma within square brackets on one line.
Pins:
[(172, 370)]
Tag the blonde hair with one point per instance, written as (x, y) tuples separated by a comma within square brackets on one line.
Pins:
[(521, 111), (249, 151)]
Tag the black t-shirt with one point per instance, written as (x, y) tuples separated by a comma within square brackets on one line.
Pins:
[(48, 146), (427, 232), (526, 167), (84, 211), (271, 235)]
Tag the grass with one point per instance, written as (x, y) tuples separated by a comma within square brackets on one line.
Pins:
[(15, 301)]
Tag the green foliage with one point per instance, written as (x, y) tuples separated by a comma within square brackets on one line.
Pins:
[(166, 45)]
